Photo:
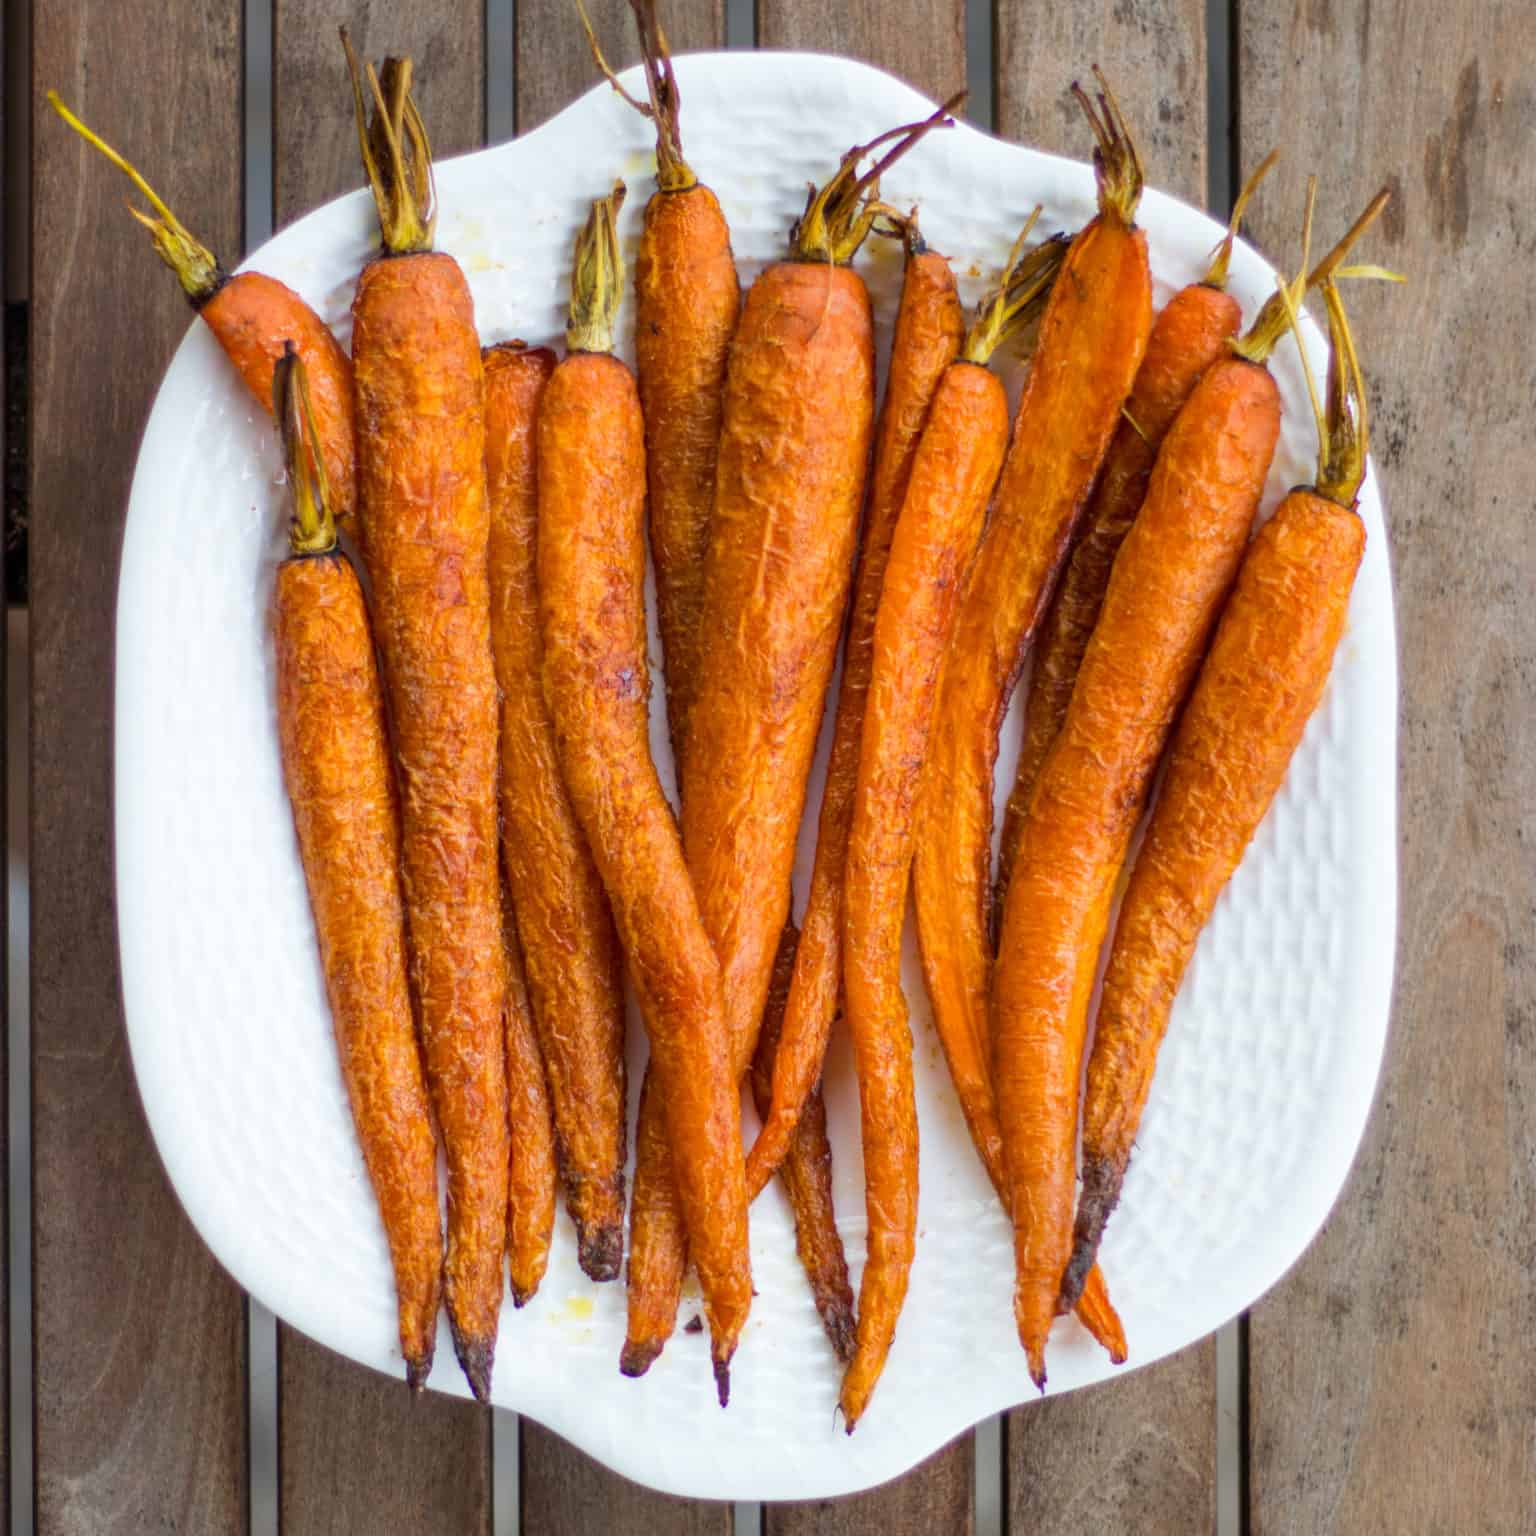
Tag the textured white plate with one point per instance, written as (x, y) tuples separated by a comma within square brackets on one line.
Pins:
[(1267, 1076)]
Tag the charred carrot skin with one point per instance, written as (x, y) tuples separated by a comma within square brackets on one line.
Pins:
[(1091, 341), (568, 944), (1189, 335), (807, 1170), (929, 324), (1261, 683), (421, 481), (687, 299), (335, 753), (952, 478), (1173, 571), (532, 1168), (591, 593)]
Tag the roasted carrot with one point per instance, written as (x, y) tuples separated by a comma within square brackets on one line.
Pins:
[(956, 465), (568, 943), (807, 1171), (253, 317), (1091, 341), (686, 301), (793, 451), (1265, 675), (591, 571), (1169, 580), (1189, 335), (929, 326), (335, 753), (421, 487)]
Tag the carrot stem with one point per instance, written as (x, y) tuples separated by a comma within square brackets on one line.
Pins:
[(313, 528), (597, 281), (1116, 160), (1019, 295), (1221, 258), (396, 154)]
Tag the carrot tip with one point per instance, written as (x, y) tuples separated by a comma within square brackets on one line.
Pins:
[(723, 1382), (600, 1251), (636, 1359), (476, 1359), (417, 1369)]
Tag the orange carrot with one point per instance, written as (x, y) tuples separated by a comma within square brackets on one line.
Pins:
[(335, 752), (568, 942), (793, 452), (1265, 674), (421, 487), (955, 468), (1091, 341), (1189, 335), (929, 326), (253, 316), (592, 601)]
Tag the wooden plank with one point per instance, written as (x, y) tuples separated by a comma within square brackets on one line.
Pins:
[(1393, 1373), (314, 140), (355, 1452), (566, 1493), (554, 66), (938, 1496), (139, 1338), (1142, 1453)]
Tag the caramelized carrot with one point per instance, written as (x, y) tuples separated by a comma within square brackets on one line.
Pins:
[(793, 451), (421, 487), (253, 317), (335, 752), (592, 602), (955, 468), (568, 942), (1091, 341), (1265, 675), (1189, 335), (929, 326)]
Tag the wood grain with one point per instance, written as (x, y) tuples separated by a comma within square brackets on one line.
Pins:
[(355, 1452), (1154, 55), (566, 1493), (938, 1496), (1393, 1373), (1144, 1450), (554, 66), (139, 1338), (314, 140)]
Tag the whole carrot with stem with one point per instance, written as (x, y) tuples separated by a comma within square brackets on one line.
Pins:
[(1189, 335), (1091, 341), (335, 752), (956, 465), (1260, 684), (794, 447), (568, 942), (421, 487), (687, 297), (253, 317), (1165, 592), (929, 327), (591, 570)]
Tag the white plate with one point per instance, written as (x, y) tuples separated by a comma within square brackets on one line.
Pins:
[(1264, 1084)]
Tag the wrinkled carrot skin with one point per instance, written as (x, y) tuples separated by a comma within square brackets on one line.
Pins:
[(569, 947), (952, 478), (591, 571), (929, 325), (533, 1172), (1265, 675), (790, 480), (1169, 580), (1189, 335), (421, 492), (687, 297), (807, 1170), (335, 754), (253, 315), (1091, 340)]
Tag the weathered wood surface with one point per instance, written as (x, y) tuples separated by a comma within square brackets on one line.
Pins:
[(938, 1496), (1393, 1373), (1140, 1454), (139, 1338), (355, 1452)]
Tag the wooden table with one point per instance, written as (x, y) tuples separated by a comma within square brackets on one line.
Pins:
[(1391, 1378)]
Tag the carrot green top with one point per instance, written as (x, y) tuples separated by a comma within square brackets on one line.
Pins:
[(1116, 160), (1021, 291), (396, 154), (1221, 257), (313, 527), (597, 278)]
